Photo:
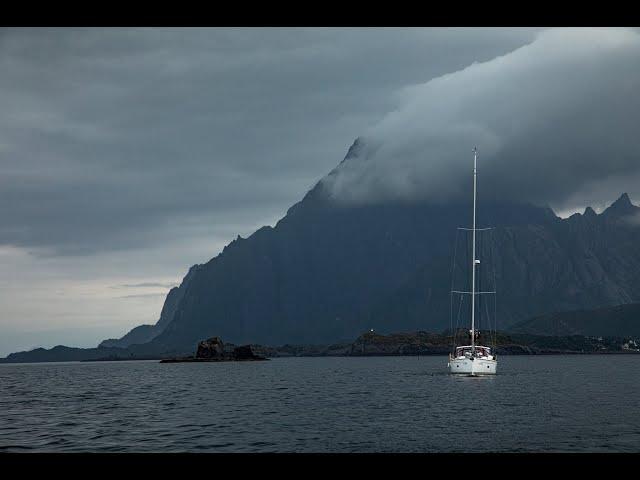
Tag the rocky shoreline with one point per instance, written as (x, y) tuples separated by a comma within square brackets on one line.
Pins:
[(425, 343), (369, 344)]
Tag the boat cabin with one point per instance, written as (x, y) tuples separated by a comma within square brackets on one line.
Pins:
[(467, 351)]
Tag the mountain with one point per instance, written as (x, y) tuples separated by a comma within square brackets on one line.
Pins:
[(326, 271), (61, 353), (617, 321)]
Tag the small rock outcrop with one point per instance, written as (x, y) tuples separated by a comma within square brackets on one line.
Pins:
[(211, 348), (214, 350), (245, 352)]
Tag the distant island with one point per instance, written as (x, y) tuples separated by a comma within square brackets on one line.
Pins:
[(367, 344)]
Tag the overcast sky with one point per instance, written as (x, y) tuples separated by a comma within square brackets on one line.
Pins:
[(128, 155)]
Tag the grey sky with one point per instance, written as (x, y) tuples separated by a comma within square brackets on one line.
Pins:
[(128, 155)]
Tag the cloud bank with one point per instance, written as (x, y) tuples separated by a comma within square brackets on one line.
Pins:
[(552, 120)]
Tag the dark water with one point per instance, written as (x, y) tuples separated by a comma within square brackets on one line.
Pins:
[(406, 404)]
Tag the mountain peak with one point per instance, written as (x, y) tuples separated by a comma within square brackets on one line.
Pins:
[(589, 212), (624, 199), (621, 206)]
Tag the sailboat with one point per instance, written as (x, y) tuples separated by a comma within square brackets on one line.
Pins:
[(473, 359)]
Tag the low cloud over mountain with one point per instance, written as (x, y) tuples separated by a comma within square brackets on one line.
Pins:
[(551, 120)]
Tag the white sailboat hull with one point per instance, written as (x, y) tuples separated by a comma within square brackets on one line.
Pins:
[(476, 366)]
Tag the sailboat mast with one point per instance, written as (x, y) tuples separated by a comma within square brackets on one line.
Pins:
[(473, 256)]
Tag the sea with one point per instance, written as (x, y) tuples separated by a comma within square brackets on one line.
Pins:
[(564, 403)]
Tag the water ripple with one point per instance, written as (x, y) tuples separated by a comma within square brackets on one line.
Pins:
[(391, 404)]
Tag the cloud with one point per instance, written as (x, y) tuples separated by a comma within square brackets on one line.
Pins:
[(551, 119), (144, 295), (147, 285), (113, 139)]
